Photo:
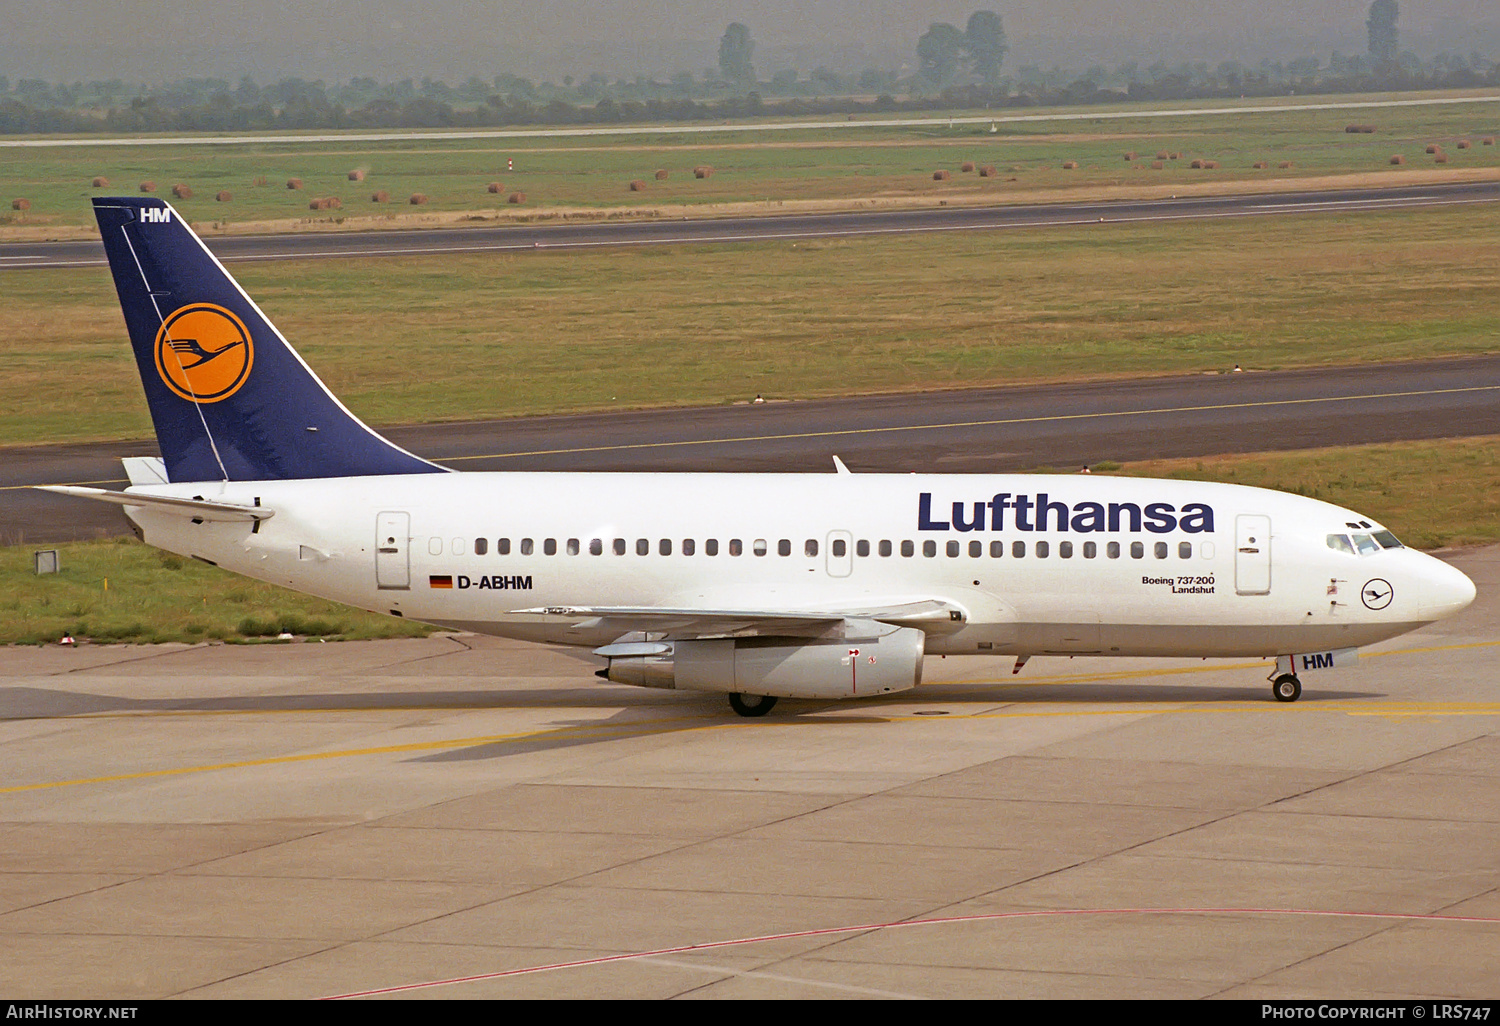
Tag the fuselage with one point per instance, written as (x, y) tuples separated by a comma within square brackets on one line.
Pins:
[(1036, 564)]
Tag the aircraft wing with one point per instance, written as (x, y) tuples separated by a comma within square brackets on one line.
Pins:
[(931, 615), (198, 509)]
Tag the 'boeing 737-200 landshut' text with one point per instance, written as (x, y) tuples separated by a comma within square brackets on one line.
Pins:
[(751, 585)]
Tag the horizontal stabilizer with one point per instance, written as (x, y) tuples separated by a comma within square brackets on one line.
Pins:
[(198, 509)]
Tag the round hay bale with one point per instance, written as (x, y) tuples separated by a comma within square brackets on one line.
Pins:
[(517, 197), (1367, 129), (1284, 164), (1488, 140), (1157, 165), (637, 186), (148, 186), (1463, 144), (294, 183), (1130, 157), (1070, 165), (1441, 158), (380, 196), (941, 176), (417, 199), (702, 171), (100, 182), (1434, 148), (20, 204), (316, 204), (1173, 156), (987, 171), (1212, 165), (223, 196), (182, 191), (661, 174), (966, 167), (1261, 165), (1163, 155), (356, 175), (1351, 129), (495, 188), (1196, 165), (1398, 159)]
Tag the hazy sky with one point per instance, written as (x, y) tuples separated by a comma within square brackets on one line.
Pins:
[(156, 40)]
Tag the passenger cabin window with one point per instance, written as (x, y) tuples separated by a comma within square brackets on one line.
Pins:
[(619, 546), (711, 546), (481, 546), (759, 547), (885, 547), (953, 549), (810, 547), (862, 547), (525, 546), (1184, 550), (596, 546), (1065, 550), (1112, 550), (997, 549), (1041, 550), (503, 547), (550, 546), (689, 546), (1090, 550), (1137, 550), (784, 547), (736, 547), (929, 548), (572, 546), (840, 548), (1018, 549), (643, 546), (1160, 548), (907, 548), (976, 549), (664, 546)]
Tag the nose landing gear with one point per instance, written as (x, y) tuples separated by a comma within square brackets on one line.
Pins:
[(1286, 688)]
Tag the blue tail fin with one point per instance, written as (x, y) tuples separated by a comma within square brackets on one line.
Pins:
[(230, 399)]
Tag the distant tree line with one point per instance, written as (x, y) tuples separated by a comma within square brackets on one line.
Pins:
[(956, 70)]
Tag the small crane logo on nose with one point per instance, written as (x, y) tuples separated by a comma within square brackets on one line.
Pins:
[(1377, 594)]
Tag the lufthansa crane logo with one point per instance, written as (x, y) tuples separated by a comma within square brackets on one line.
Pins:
[(1377, 594), (203, 353)]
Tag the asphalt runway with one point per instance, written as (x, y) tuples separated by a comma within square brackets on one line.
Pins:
[(502, 238), (978, 431), (460, 817)]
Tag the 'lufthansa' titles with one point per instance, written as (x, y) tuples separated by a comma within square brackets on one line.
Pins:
[(1042, 513)]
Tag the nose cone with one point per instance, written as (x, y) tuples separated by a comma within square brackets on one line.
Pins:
[(1444, 590)]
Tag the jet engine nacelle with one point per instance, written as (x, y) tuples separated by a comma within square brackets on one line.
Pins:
[(784, 667)]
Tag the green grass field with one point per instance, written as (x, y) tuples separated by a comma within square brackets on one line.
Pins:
[(466, 337), (153, 597), (846, 166)]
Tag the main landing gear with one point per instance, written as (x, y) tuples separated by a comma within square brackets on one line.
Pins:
[(1286, 688), (751, 705)]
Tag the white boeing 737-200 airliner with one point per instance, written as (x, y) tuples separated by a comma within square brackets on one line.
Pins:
[(752, 585)]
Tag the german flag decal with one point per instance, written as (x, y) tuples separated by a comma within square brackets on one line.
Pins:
[(440, 581)]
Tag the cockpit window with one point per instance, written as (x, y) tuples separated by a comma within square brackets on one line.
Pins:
[(1365, 544), (1388, 540), (1340, 543)]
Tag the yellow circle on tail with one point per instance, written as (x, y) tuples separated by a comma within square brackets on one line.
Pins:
[(204, 352)]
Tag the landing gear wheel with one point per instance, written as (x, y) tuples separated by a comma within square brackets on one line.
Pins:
[(751, 705), (1287, 688)]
